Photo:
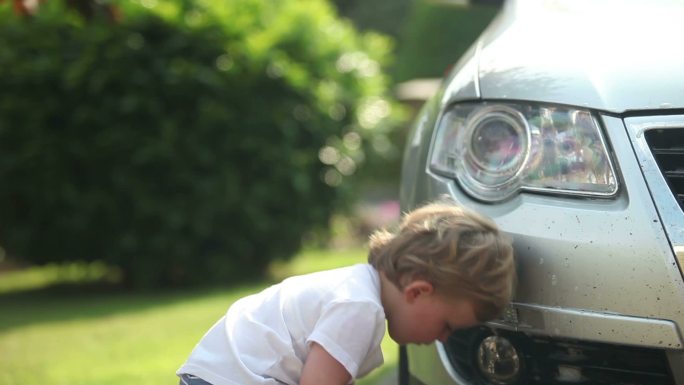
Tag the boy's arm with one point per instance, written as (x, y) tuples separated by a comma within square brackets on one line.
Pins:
[(321, 368)]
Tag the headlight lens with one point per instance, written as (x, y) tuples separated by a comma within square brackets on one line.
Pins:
[(495, 150)]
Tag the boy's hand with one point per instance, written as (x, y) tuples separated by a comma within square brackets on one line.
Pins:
[(321, 368)]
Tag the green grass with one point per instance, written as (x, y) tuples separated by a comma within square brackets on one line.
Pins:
[(55, 329)]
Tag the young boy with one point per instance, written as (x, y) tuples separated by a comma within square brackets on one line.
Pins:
[(445, 268)]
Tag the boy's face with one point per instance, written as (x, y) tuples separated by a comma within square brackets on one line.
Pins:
[(424, 316)]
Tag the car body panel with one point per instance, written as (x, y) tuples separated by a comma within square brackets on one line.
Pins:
[(608, 62)]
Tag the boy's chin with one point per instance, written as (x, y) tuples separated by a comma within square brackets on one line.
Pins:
[(397, 339), (403, 340)]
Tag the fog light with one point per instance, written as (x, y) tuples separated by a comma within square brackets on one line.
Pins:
[(498, 360)]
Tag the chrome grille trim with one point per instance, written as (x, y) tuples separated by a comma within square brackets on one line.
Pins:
[(667, 148), (667, 204)]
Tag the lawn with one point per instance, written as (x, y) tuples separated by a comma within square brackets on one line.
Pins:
[(57, 327)]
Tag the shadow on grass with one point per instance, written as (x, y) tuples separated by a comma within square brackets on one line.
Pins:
[(77, 301), (64, 293)]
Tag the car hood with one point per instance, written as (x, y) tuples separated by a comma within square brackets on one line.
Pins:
[(607, 55)]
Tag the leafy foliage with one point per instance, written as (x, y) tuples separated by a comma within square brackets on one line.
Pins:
[(187, 142)]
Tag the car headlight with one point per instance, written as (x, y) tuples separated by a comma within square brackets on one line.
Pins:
[(497, 149)]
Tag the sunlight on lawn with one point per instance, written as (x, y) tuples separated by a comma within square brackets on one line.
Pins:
[(113, 338)]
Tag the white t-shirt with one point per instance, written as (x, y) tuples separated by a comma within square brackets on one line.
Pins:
[(265, 338)]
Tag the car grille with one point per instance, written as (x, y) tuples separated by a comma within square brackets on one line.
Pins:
[(544, 360), (667, 147)]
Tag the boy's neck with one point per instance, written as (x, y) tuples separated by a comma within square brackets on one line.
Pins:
[(389, 294)]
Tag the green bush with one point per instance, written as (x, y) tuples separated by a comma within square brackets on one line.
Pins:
[(185, 143)]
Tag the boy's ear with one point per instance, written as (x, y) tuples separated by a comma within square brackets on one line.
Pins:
[(417, 288)]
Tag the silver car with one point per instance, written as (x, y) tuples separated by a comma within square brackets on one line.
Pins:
[(565, 123)]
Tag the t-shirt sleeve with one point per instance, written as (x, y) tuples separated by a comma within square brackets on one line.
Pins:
[(351, 332)]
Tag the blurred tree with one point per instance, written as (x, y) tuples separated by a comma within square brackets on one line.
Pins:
[(192, 141), (88, 9), (384, 16), (24, 8), (436, 35)]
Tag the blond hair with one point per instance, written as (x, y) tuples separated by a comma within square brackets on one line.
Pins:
[(460, 252)]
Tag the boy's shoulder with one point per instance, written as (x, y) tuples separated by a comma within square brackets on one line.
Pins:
[(359, 270), (355, 282), (356, 272)]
